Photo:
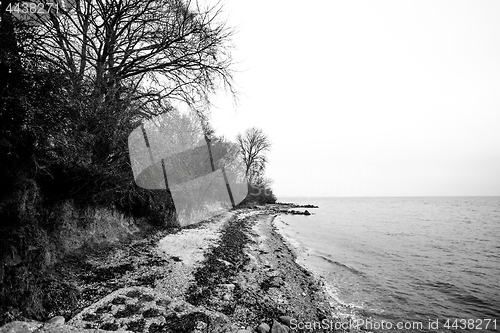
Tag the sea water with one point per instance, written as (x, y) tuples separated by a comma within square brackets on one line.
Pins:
[(404, 261)]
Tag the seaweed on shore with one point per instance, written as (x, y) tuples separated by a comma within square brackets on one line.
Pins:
[(221, 264)]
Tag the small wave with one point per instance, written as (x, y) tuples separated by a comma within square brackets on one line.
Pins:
[(334, 295), (463, 296), (443, 248), (405, 234), (492, 255), (352, 270), (473, 272), (347, 310), (443, 286)]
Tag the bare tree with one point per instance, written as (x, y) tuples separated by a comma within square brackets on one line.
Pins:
[(129, 60), (162, 48), (113, 64), (254, 145)]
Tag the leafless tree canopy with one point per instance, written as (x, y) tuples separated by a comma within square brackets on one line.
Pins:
[(254, 145), (160, 48)]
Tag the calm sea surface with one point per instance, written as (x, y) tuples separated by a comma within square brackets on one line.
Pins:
[(405, 259)]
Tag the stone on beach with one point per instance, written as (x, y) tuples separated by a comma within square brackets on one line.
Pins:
[(225, 262), (273, 273), (286, 320), (278, 328), (56, 320), (228, 286), (263, 328)]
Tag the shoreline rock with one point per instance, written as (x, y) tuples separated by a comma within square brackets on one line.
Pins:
[(292, 205), (292, 212)]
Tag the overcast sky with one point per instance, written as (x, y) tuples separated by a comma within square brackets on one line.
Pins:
[(370, 98)]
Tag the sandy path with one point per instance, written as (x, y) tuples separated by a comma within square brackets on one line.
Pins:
[(189, 245), (184, 252)]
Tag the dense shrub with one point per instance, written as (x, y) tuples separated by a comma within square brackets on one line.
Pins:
[(259, 194)]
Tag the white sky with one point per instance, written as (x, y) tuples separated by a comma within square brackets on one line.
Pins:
[(370, 98)]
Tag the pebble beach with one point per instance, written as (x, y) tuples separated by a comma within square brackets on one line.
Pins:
[(232, 273)]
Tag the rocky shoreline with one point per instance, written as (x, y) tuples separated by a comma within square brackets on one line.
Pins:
[(247, 281)]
